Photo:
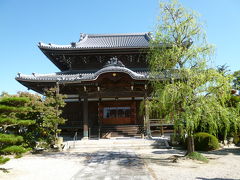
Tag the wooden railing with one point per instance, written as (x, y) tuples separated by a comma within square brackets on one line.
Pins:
[(163, 125), (159, 122), (72, 124)]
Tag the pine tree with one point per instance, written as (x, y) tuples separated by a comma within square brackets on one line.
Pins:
[(13, 123)]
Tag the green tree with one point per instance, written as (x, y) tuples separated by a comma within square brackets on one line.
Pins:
[(47, 113), (236, 80), (27, 118), (54, 102), (13, 123), (185, 89)]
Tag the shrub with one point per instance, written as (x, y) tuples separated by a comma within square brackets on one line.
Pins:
[(3, 160), (197, 156), (205, 142), (236, 139), (14, 150)]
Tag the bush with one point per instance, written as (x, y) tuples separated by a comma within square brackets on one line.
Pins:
[(205, 142), (197, 156), (14, 150), (3, 160), (236, 139)]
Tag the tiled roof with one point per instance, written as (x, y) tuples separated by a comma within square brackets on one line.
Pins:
[(78, 77), (101, 41)]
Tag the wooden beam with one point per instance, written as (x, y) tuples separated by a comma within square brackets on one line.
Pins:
[(114, 94)]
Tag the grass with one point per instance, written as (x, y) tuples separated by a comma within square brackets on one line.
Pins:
[(197, 156)]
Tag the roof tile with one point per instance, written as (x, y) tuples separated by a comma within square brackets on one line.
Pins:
[(95, 41)]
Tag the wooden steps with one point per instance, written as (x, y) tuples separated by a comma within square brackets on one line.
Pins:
[(108, 131)]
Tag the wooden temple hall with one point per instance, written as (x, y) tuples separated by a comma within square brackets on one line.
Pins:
[(105, 79)]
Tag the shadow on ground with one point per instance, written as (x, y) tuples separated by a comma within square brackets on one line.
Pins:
[(124, 158), (225, 151), (5, 170), (170, 151), (201, 178)]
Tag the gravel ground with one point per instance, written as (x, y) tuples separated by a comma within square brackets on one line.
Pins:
[(223, 165), (156, 164)]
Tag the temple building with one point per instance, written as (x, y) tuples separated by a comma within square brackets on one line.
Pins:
[(105, 78)]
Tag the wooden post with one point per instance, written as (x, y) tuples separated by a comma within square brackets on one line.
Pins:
[(57, 94), (85, 118), (99, 119)]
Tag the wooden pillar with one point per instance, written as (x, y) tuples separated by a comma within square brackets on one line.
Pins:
[(85, 118), (57, 108), (99, 117)]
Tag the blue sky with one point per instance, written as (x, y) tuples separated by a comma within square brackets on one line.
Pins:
[(23, 23)]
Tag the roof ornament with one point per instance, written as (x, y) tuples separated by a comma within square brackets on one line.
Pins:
[(114, 62), (82, 36), (73, 44), (19, 74), (150, 34)]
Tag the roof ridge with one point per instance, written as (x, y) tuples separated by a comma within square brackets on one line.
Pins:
[(119, 34), (94, 41)]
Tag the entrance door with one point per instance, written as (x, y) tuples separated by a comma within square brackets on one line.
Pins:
[(117, 112)]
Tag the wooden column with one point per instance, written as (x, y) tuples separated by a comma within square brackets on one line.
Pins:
[(99, 117), (85, 118)]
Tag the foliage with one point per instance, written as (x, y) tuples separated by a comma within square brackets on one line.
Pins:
[(185, 88), (46, 111), (3, 160), (14, 150), (234, 101), (13, 123), (54, 103), (26, 119), (14, 101), (236, 80), (236, 139), (197, 156), (223, 69), (205, 142), (10, 139)]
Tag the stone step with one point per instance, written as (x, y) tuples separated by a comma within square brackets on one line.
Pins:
[(117, 143)]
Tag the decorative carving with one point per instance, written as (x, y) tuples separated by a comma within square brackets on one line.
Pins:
[(82, 36), (114, 62), (67, 61)]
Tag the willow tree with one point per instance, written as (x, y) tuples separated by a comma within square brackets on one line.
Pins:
[(185, 89)]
